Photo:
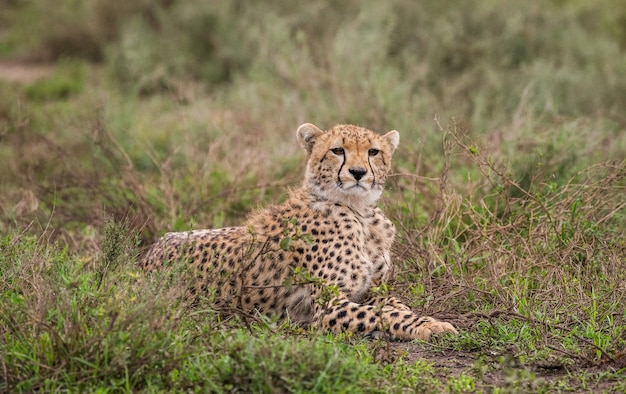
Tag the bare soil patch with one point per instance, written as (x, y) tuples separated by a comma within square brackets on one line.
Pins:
[(17, 72), (503, 370)]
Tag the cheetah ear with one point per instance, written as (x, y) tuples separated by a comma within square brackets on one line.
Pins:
[(393, 138), (306, 134)]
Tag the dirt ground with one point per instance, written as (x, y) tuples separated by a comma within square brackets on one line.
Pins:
[(501, 368), (491, 370), (23, 73)]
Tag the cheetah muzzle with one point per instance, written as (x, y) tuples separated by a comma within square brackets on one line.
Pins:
[(315, 258)]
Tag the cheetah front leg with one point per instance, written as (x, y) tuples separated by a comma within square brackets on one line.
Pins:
[(390, 316)]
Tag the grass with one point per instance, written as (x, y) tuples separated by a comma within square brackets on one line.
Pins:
[(507, 191), (101, 325)]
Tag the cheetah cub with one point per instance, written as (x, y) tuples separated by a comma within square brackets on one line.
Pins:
[(315, 258)]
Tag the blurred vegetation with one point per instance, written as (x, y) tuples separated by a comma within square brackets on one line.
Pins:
[(171, 81), (508, 186)]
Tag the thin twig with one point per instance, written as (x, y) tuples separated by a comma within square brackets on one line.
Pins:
[(572, 355)]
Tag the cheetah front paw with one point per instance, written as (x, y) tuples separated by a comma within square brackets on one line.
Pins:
[(433, 326)]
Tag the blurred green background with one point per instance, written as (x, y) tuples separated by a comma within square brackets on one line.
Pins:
[(187, 109)]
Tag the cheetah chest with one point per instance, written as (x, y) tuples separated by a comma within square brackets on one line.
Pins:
[(350, 251)]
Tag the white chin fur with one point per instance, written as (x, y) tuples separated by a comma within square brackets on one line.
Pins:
[(356, 197), (356, 186)]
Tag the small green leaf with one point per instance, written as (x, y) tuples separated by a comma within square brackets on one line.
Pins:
[(284, 243), (308, 238)]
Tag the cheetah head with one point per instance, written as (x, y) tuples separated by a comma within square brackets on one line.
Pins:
[(347, 164)]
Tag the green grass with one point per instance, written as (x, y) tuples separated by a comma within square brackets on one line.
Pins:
[(102, 325), (507, 189)]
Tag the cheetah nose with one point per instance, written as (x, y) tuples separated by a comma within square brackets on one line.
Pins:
[(357, 172)]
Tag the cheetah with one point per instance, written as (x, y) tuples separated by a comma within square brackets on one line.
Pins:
[(316, 258)]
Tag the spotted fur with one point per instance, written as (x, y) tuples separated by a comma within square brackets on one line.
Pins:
[(315, 258)]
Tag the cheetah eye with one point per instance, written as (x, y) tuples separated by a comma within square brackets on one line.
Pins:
[(373, 152), (337, 151)]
